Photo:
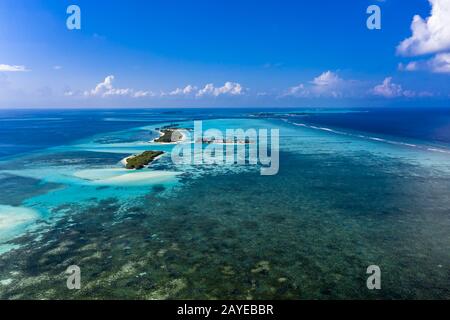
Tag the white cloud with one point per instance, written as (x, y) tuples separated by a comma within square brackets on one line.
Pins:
[(9, 68), (189, 89), (208, 89), (102, 88), (57, 67), (106, 89), (327, 84), (298, 91), (327, 79), (142, 94), (229, 88), (411, 66), (440, 63), (389, 89), (431, 35)]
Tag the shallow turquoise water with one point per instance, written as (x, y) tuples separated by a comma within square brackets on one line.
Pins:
[(338, 204)]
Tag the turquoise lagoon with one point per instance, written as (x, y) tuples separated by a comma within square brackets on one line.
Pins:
[(342, 200)]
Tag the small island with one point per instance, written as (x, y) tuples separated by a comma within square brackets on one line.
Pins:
[(167, 135), (171, 134), (141, 160), (213, 140)]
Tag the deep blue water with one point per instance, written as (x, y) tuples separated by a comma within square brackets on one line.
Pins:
[(25, 130), (429, 124)]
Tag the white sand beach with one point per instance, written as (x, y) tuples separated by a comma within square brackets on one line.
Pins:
[(184, 137), (125, 177), (124, 160), (12, 217)]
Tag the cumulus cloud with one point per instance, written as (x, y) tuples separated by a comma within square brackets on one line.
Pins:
[(389, 89), (298, 91), (440, 63), (9, 68), (189, 89), (327, 79), (327, 84), (229, 88), (106, 89), (430, 35)]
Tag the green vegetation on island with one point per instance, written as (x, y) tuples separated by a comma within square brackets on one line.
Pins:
[(166, 136), (170, 134), (143, 159)]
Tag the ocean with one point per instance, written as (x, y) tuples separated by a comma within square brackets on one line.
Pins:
[(355, 188)]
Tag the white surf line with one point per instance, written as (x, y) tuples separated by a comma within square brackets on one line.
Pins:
[(427, 148), (160, 135)]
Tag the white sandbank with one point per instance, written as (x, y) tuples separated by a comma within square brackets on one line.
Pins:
[(12, 217), (125, 177)]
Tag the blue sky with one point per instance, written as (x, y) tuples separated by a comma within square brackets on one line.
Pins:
[(224, 53)]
